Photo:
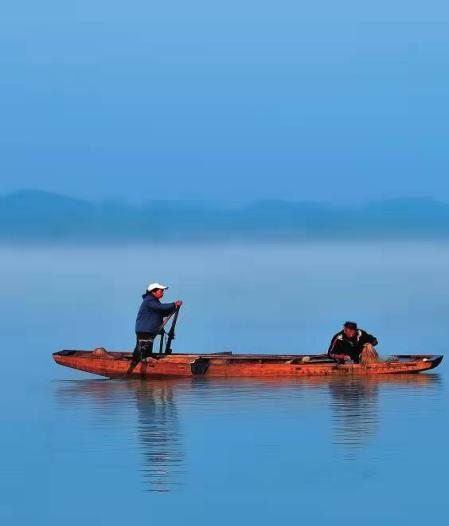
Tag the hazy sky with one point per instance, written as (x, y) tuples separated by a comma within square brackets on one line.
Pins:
[(225, 99)]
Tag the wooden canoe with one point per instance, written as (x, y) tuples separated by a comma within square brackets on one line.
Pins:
[(117, 365)]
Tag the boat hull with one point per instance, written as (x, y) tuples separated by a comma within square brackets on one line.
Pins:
[(118, 365)]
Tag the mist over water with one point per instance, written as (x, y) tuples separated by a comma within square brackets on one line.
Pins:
[(75, 447)]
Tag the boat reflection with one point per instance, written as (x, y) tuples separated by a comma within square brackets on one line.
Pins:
[(151, 408), (354, 401)]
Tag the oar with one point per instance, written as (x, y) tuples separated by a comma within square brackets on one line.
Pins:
[(161, 331), (171, 332)]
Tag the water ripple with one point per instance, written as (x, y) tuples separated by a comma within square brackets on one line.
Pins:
[(154, 418)]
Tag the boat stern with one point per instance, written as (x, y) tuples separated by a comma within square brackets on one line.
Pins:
[(97, 362)]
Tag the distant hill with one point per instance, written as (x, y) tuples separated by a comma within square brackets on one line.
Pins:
[(41, 216)]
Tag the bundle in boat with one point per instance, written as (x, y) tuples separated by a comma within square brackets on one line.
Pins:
[(368, 354)]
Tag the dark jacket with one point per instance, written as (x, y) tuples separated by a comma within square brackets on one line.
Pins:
[(152, 313), (341, 344)]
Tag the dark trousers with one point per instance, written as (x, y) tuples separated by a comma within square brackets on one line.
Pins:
[(144, 346), (355, 354)]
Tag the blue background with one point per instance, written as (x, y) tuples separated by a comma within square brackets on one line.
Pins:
[(305, 100)]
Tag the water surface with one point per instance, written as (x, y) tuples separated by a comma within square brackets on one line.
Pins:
[(76, 448)]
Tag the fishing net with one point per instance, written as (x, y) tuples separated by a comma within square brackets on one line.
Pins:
[(368, 354)]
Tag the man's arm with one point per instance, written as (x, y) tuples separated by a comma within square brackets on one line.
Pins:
[(332, 345), (163, 308), (335, 351)]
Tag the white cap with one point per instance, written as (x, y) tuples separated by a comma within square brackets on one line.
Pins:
[(153, 286)]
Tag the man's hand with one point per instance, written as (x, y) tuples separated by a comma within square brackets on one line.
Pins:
[(178, 303)]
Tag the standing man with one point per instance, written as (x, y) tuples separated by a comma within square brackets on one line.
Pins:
[(150, 319), (351, 342)]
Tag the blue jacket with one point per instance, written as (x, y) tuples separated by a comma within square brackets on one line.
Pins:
[(152, 313)]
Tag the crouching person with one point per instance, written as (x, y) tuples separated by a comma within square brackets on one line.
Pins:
[(353, 344)]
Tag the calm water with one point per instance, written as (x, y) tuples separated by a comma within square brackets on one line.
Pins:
[(79, 449)]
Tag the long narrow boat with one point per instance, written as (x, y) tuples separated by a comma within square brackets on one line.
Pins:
[(118, 365)]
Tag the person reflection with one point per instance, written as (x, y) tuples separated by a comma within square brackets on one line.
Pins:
[(159, 436), (159, 440), (355, 404)]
